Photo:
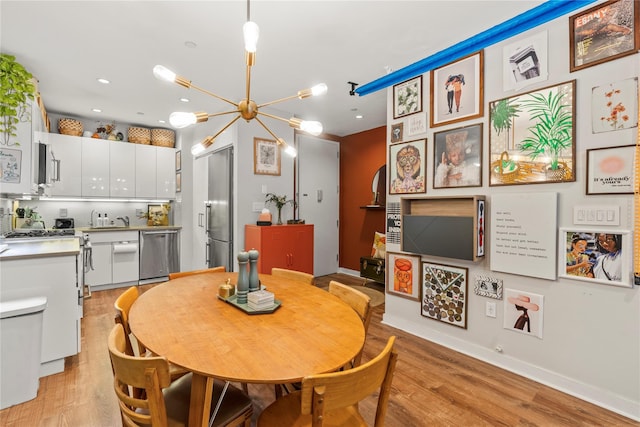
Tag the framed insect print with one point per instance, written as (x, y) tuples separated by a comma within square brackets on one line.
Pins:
[(444, 293), (407, 167), (266, 157), (603, 33), (403, 275), (407, 97), (457, 90)]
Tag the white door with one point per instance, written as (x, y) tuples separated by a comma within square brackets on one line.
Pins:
[(318, 189)]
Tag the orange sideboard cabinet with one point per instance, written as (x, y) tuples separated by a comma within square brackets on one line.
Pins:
[(284, 246)]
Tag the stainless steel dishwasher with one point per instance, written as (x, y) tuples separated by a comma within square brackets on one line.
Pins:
[(159, 253)]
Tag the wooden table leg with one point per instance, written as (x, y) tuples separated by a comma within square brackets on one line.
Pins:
[(200, 405)]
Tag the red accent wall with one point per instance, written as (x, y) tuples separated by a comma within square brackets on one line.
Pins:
[(361, 155)]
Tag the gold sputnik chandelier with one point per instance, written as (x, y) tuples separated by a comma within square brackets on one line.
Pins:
[(246, 108)]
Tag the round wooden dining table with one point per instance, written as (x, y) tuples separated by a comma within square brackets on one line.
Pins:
[(184, 320)]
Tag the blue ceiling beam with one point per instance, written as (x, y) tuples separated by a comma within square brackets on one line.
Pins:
[(525, 21)]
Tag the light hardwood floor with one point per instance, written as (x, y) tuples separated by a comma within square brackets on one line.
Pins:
[(433, 386)]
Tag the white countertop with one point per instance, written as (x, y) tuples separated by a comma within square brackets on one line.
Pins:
[(35, 248)]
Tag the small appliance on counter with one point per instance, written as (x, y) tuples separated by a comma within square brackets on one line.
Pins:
[(64, 223)]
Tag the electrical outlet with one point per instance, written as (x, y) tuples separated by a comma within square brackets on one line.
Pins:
[(257, 206), (63, 212), (490, 309), (264, 188)]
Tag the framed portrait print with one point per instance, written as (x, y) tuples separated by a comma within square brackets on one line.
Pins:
[(610, 170), (444, 293), (532, 135), (407, 97), (523, 312), (266, 157), (407, 167), (457, 90), (614, 106), (602, 33), (596, 255), (403, 275), (157, 215), (458, 157)]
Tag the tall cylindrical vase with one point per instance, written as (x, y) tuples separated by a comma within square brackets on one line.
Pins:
[(242, 287), (254, 282), (279, 216)]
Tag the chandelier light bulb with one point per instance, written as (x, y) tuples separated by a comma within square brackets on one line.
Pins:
[(251, 33), (197, 149), (163, 73), (181, 120), (291, 151), (311, 127), (319, 89)]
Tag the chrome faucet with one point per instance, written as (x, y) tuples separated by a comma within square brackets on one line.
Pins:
[(125, 220)]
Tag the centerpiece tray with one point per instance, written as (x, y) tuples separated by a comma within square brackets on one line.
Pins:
[(233, 300)]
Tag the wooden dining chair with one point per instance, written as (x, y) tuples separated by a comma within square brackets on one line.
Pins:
[(122, 306), (220, 269), (332, 399), (165, 403), (293, 275)]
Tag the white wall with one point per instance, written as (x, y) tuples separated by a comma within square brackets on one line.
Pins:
[(591, 342)]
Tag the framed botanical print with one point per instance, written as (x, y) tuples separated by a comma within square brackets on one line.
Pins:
[(614, 106), (407, 97), (403, 275), (458, 157), (407, 167), (266, 157), (444, 293), (602, 33), (610, 170), (457, 90), (532, 137), (596, 255)]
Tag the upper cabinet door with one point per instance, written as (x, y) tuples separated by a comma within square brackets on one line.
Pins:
[(95, 167), (145, 171), (166, 173), (67, 161), (122, 173)]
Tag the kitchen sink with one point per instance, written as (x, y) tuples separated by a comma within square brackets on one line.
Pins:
[(111, 227)]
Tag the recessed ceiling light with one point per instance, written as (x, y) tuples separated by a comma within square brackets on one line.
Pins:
[(96, 110), (161, 121), (184, 99), (140, 113), (359, 116), (190, 44), (103, 81)]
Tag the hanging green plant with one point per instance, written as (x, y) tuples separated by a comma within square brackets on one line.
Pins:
[(16, 89)]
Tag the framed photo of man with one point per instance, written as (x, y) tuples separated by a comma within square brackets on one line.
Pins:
[(457, 90)]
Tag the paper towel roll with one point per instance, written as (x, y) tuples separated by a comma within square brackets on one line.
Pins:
[(124, 248)]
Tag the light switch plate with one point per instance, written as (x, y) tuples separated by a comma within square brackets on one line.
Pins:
[(257, 206), (490, 309), (63, 212), (596, 215)]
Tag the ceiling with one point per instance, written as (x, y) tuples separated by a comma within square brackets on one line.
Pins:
[(68, 45)]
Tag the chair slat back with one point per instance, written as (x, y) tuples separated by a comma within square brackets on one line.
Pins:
[(360, 302), (293, 275), (131, 373), (123, 306), (329, 392), (219, 269)]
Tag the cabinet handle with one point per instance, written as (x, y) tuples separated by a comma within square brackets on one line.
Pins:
[(207, 211), (206, 254)]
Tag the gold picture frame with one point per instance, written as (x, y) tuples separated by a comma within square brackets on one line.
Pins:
[(266, 157)]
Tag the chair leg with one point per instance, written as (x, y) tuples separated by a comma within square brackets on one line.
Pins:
[(278, 391)]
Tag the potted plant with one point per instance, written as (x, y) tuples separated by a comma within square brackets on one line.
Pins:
[(552, 131), (17, 88), (279, 201)]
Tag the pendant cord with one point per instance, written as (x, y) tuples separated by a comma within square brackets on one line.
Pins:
[(248, 10)]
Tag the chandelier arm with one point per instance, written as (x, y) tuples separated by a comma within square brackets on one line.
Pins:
[(222, 113), (248, 78), (223, 129), (272, 116), (278, 100), (214, 95), (278, 140)]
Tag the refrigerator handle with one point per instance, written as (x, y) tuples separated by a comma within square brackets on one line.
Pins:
[(207, 216), (207, 251)]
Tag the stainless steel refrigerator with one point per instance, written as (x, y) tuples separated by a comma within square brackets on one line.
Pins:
[(219, 209)]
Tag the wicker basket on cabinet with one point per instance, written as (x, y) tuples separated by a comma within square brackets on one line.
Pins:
[(139, 135), (70, 127), (163, 137)]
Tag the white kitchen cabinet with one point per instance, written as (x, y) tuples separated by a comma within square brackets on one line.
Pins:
[(54, 277), (165, 173), (122, 169), (115, 259), (95, 167), (155, 172), (66, 151)]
